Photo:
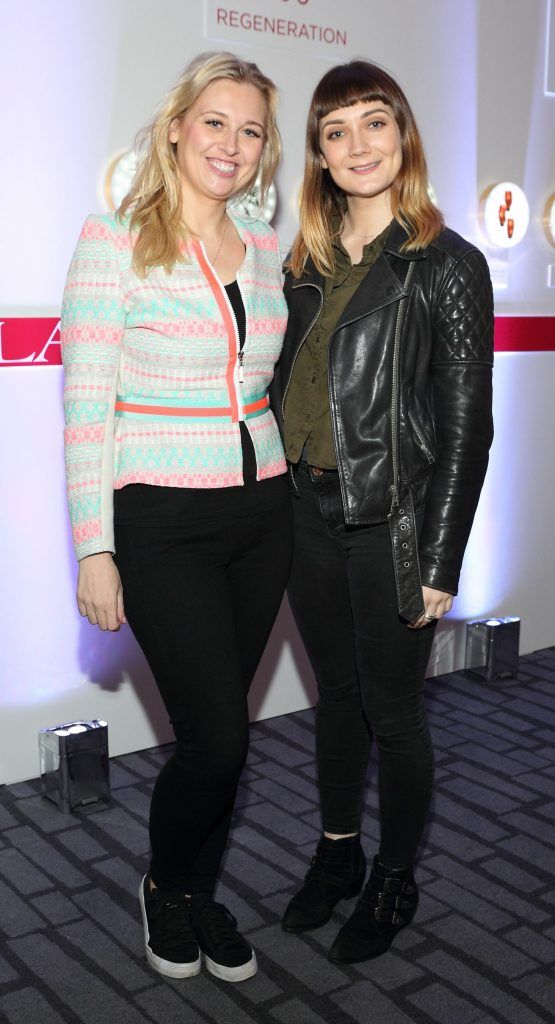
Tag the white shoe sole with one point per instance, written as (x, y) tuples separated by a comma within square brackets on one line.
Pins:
[(231, 973), (166, 967)]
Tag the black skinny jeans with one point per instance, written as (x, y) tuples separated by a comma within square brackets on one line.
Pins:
[(203, 577), (369, 667)]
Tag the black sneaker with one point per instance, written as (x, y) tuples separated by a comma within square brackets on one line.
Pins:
[(171, 946), (225, 953)]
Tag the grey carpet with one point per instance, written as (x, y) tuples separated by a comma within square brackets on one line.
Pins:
[(481, 949)]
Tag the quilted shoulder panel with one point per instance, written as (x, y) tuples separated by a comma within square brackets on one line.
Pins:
[(463, 321)]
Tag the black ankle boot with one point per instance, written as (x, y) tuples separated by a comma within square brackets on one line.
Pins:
[(336, 872), (388, 903)]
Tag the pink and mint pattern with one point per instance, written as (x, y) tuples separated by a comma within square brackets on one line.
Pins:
[(169, 340)]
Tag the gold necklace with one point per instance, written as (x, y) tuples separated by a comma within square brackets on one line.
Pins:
[(213, 262)]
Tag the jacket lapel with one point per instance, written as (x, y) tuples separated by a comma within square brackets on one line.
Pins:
[(382, 286), (379, 288)]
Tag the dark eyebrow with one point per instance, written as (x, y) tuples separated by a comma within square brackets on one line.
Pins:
[(366, 113), (220, 113)]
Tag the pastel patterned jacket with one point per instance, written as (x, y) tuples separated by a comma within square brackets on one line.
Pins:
[(155, 385)]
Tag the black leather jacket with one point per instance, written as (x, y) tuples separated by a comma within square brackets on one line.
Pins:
[(409, 375)]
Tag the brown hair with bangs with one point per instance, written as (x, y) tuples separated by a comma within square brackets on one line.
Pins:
[(322, 202)]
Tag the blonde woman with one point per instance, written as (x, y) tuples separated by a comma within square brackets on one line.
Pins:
[(386, 393), (172, 322)]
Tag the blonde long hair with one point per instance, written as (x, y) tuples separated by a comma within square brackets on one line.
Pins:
[(323, 203), (154, 201)]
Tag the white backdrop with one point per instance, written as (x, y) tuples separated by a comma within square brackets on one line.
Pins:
[(81, 79)]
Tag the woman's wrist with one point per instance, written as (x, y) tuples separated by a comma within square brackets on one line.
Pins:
[(96, 554)]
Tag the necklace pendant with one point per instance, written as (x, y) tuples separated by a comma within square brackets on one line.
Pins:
[(213, 262)]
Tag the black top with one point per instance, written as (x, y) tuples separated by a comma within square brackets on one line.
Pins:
[(237, 305), (236, 299)]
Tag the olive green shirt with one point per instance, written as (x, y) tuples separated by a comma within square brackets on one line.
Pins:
[(307, 405)]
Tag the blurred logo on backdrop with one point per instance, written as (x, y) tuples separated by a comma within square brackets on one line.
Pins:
[(549, 219), (119, 175), (505, 214)]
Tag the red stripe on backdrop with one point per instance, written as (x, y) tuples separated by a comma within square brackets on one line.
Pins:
[(525, 333), (35, 340), (30, 341)]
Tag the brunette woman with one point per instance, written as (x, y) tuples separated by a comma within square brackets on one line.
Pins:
[(386, 393), (173, 320)]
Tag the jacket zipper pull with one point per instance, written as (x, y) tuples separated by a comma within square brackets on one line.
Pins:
[(241, 366), (394, 500)]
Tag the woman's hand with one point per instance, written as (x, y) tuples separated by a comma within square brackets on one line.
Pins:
[(436, 604), (99, 591)]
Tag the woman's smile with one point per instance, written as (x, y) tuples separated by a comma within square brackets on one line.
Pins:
[(366, 168), (225, 168)]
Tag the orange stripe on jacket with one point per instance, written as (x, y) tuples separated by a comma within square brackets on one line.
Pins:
[(229, 323)]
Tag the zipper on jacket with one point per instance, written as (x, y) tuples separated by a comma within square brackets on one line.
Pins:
[(337, 449), (237, 371), (336, 446), (423, 443), (395, 394), (344, 498)]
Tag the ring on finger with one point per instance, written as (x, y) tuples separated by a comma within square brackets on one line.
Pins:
[(430, 618)]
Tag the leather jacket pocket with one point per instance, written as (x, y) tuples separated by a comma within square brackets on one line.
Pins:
[(420, 436)]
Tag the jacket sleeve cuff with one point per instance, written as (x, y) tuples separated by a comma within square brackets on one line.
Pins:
[(436, 577)]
